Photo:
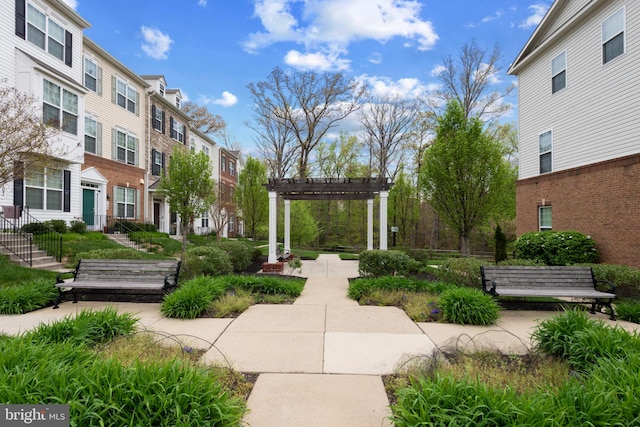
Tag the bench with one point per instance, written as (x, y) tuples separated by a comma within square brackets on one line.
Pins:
[(574, 282), (120, 276)]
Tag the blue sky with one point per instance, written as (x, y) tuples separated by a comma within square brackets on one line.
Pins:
[(211, 49)]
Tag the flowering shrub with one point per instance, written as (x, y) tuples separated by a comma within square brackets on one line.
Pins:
[(556, 247), (378, 263)]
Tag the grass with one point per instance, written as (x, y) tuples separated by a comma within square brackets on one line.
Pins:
[(12, 274)]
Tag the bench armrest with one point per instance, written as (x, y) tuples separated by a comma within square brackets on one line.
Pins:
[(611, 286), (492, 290), (170, 281), (62, 273)]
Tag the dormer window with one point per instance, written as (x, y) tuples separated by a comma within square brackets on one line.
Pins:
[(177, 102), (161, 89)]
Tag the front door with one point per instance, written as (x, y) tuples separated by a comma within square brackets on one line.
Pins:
[(88, 206), (156, 214)]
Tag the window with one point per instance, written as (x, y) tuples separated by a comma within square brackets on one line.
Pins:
[(544, 218), (60, 107), (161, 89), (205, 150), (157, 162), (545, 146), (157, 120), (205, 222), (178, 131), (126, 147), (232, 168), (90, 136), (125, 202), (44, 188), (613, 36), (559, 72), (177, 102), (45, 33), (232, 223), (192, 144), (125, 95), (90, 74), (223, 164)]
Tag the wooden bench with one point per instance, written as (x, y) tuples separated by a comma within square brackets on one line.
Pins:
[(120, 276), (574, 282)]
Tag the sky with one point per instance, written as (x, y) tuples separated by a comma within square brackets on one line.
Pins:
[(212, 49)]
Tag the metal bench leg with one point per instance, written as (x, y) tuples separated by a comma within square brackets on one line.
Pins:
[(58, 300)]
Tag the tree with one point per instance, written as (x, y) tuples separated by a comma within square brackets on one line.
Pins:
[(465, 173), (304, 227), (387, 122), (307, 104), (188, 186), (403, 207), (252, 197), (25, 140), (202, 119), (467, 79), (274, 140)]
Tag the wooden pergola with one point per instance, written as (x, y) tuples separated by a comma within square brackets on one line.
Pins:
[(325, 189)]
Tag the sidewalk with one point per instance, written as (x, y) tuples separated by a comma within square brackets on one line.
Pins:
[(320, 359)]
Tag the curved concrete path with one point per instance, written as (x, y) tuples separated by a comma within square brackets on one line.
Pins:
[(319, 360)]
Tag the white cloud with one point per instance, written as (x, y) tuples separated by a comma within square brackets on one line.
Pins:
[(228, 99), (493, 17), (73, 4), (155, 44), (316, 61), (202, 3), (403, 88), (375, 58), (437, 70), (330, 26), (538, 13)]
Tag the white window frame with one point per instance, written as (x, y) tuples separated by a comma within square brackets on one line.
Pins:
[(49, 184), (608, 36), (125, 202), (124, 91), (50, 41), (178, 130), (126, 148), (542, 226), (548, 151), (161, 90), (65, 103), (88, 75), (223, 164), (157, 119), (91, 132), (559, 67), (232, 168), (205, 150)]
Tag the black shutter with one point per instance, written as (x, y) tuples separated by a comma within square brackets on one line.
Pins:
[(173, 134), (66, 193), (153, 117), (155, 169), (185, 136), (163, 164), (18, 183), (68, 47), (21, 6), (163, 119)]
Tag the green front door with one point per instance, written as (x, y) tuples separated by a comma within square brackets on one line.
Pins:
[(88, 206)]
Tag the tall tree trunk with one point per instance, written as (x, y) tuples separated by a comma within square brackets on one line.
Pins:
[(465, 250)]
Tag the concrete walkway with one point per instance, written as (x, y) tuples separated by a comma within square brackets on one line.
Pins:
[(320, 359)]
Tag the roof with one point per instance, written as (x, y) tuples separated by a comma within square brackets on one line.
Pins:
[(93, 46), (328, 188), (548, 31)]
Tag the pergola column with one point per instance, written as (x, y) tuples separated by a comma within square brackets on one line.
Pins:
[(384, 196), (369, 224), (273, 227), (287, 226)]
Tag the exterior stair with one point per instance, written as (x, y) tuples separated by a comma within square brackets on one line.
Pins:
[(123, 239), (40, 259)]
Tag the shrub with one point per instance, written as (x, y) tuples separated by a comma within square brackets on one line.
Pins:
[(501, 245), (461, 271), (58, 225), (192, 298), (86, 328), (629, 311), (627, 279), (206, 260), (78, 227), (556, 247), (240, 254), (265, 284), (363, 286), (111, 254), (467, 306), (378, 263), (35, 228), (31, 296)]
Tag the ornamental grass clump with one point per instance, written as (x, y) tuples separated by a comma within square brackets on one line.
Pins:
[(19, 299), (192, 298), (468, 306)]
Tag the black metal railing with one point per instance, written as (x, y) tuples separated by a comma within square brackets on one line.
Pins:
[(138, 234), (21, 231)]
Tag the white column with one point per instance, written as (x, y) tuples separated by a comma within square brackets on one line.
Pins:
[(287, 226), (384, 196), (369, 224), (273, 227)]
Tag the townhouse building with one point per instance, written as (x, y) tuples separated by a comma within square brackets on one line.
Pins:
[(115, 156), (199, 141), (579, 166), (227, 182), (41, 52)]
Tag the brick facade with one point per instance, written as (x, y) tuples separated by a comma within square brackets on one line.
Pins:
[(118, 174), (601, 200)]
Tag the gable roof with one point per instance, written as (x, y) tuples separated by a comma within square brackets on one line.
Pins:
[(562, 16)]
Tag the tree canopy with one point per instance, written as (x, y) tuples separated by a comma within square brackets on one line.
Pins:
[(252, 196), (465, 174)]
